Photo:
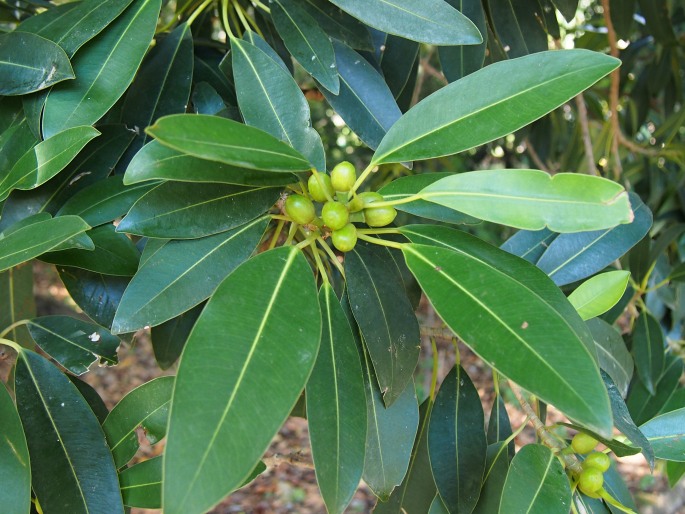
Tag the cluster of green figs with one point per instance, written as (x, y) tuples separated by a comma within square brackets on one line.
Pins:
[(341, 206), (591, 480)]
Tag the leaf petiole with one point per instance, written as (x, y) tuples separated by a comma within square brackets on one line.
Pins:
[(13, 326), (197, 12), (381, 242)]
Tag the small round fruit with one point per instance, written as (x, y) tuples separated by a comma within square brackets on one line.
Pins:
[(379, 216), (343, 176), (335, 215), (590, 481), (597, 460), (317, 192), (345, 238), (362, 199), (583, 443), (300, 209)]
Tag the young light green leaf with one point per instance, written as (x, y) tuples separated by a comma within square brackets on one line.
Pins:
[(31, 241), (426, 21), (15, 471), (513, 92), (182, 274), (666, 433), (536, 484), (227, 141), (72, 468), (146, 406), (457, 272), (46, 159), (104, 68), (141, 484), (533, 199), (336, 407), (74, 343), (30, 63), (648, 350), (599, 294), (456, 442), (233, 417)]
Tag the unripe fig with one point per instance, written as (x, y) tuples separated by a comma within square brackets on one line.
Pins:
[(335, 215), (317, 192), (343, 176), (346, 238), (379, 216), (583, 443), (300, 209)]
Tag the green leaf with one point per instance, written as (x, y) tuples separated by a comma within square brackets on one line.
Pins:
[(270, 99), (365, 102), (385, 317), (643, 405), (146, 406), (427, 21), (189, 211), (30, 63), (674, 471), (306, 41), (104, 69), (72, 27), (155, 161), (219, 428), (336, 407), (567, 8), (74, 343), (677, 274), (456, 442), (33, 240), (338, 24), (397, 62), (15, 472), (666, 433), (72, 469), (458, 61), (141, 484), (46, 159), (518, 26), (16, 295), (114, 254), (614, 357), (95, 402), (169, 338), (527, 88), (599, 294), (104, 201), (499, 426), (648, 350), (533, 199), (496, 469), (181, 274), (459, 274), (226, 141), (437, 507), (536, 484)]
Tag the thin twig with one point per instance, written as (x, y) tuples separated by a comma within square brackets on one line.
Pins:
[(585, 129), (298, 459), (536, 158)]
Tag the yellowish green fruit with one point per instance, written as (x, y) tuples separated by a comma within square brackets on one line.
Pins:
[(318, 190), (583, 443), (300, 209), (335, 215), (346, 238), (379, 216), (362, 199), (597, 460), (591, 481), (343, 176)]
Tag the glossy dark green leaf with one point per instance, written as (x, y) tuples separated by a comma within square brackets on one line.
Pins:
[(338, 24), (206, 100), (306, 41), (518, 26), (676, 401), (31, 241), (572, 257), (95, 402), (16, 295), (567, 8), (219, 428), (677, 274), (30, 63), (666, 433), (270, 99), (141, 484), (169, 338), (15, 471), (188, 211), (534, 199), (365, 102), (499, 426), (536, 484), (648, 350), (427, 21), (104, 201), (458, 61), (146, 406), (588, 505), (336, 407), (104, 68), (182, 274), (527, 88), (385, 317), (74, 343), (496, 468), (642, 405), (388, 450), (114, 254), (458, 273), (417, 490), (615, 485), (622, 12), (71, 27), (46, 159), (457, 443), (600, 293), (72, 469), (656, 14), (397, 62), (404, 187), (437, 506), (227, 141), (96, 294), (614, 357)]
